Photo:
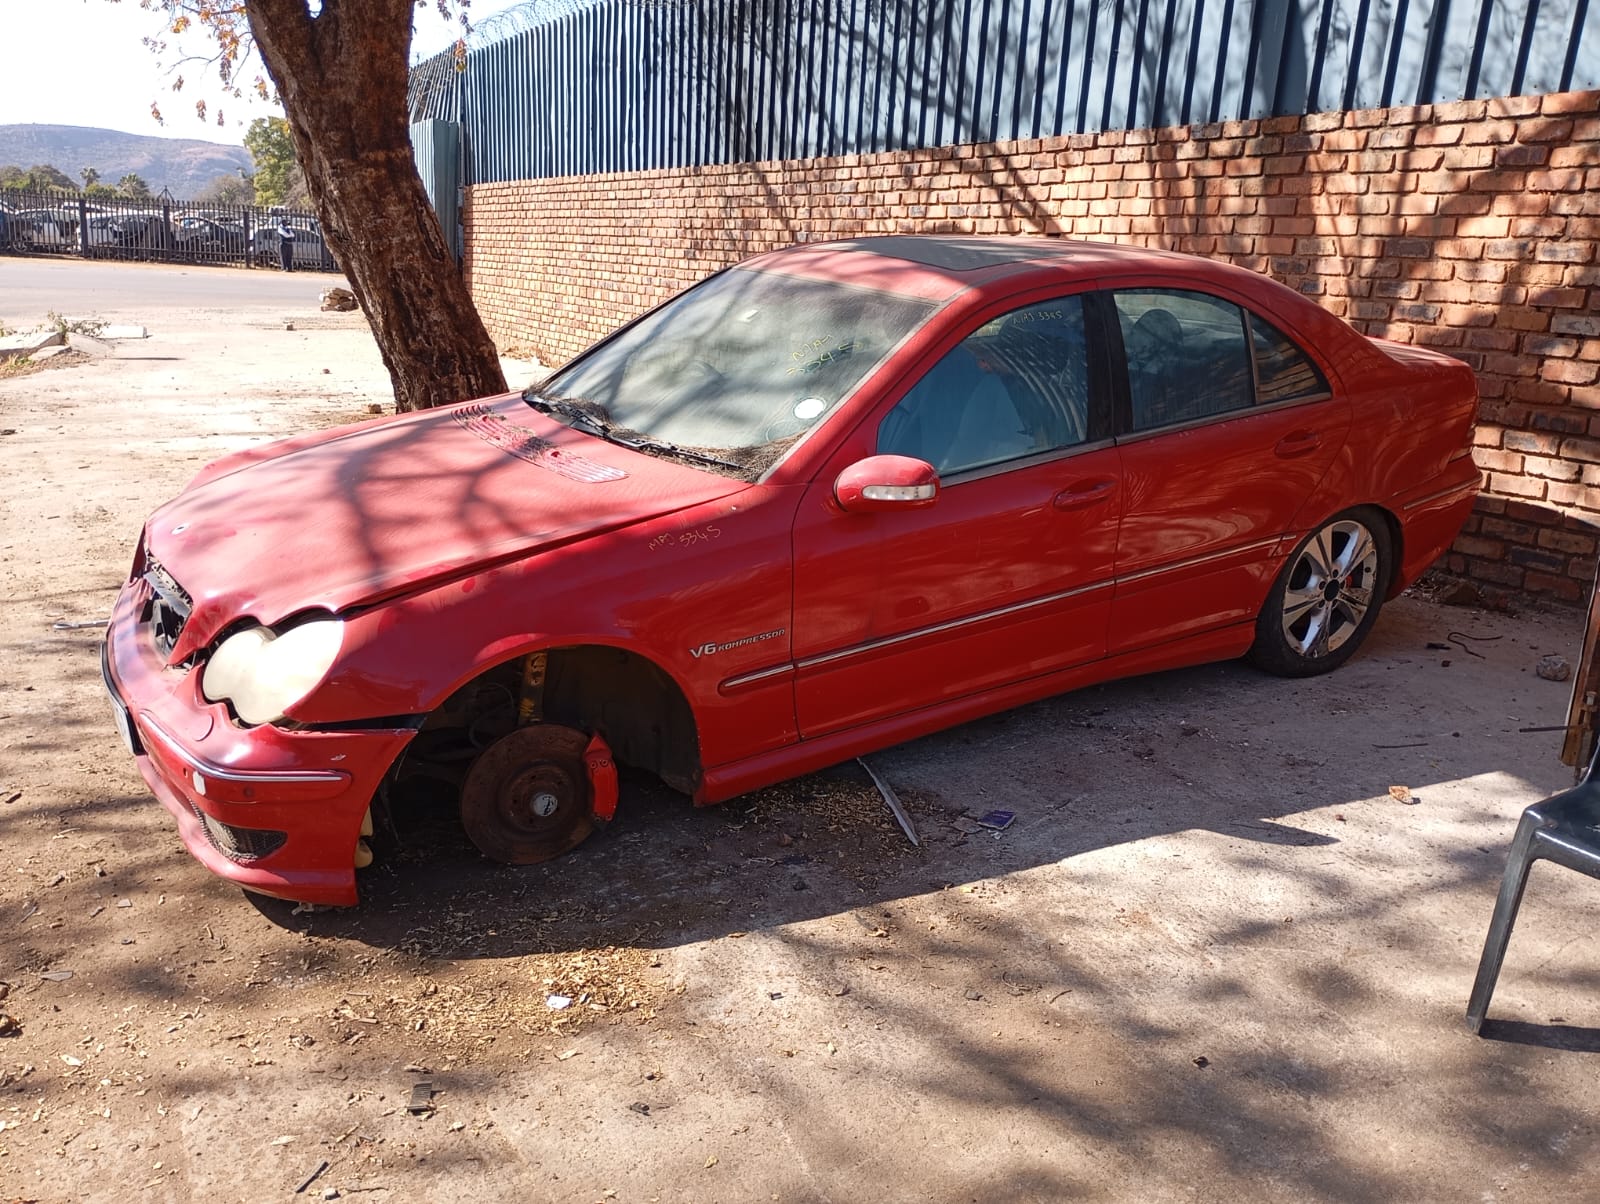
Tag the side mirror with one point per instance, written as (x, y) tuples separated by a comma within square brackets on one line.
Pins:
[(886, 483)]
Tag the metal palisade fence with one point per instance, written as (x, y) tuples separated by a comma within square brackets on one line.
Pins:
[(159, 229), (625, 85)]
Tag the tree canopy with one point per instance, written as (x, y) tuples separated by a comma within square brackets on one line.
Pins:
[(272, 147), (41, 177), (231, 189)]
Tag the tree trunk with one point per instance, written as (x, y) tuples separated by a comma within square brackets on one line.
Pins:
[(342, 76)]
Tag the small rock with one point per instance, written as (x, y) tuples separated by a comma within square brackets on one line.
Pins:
[(1461, 593), (641, 1108), (1202, 1061), (338, 300), (9, 1026), (374, 408), (971, 994), (1553, 668), (330, 1193)]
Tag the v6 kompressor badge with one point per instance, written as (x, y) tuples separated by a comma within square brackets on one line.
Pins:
[(713, 648)]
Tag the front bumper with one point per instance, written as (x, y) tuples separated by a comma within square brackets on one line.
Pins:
[(285, 807)]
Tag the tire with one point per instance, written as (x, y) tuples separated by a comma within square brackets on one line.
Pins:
[(1327, 597)]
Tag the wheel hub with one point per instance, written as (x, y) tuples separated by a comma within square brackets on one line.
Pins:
[(1330, 587), (527, 797)]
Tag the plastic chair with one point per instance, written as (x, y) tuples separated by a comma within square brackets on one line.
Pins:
[(1564, 828)]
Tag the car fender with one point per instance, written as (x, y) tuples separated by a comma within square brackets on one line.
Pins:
[(714, 576)]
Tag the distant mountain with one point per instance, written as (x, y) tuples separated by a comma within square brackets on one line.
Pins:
[(183, 166)]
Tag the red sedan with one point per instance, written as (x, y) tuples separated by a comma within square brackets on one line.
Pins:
[(830, 499)]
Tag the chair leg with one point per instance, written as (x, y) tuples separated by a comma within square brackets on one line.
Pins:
[(1518, 861)]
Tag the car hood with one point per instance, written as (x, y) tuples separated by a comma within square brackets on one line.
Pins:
[(351, 516)]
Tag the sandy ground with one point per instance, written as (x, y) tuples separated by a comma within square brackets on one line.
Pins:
[(1212, 959)]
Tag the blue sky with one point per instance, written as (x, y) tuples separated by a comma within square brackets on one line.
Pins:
[(81, 62)]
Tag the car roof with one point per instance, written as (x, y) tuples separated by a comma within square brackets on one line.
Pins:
[(936, 267)]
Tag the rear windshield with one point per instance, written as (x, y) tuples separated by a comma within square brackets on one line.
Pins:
[(741, 365)]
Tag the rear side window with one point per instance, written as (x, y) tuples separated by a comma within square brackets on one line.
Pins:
[(1187, 356), (1283, 371)]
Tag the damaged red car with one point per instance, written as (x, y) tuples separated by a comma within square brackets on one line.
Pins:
[(833, 498)]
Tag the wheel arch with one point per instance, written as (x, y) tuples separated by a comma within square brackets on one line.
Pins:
[(1397, 548), (637, 705)]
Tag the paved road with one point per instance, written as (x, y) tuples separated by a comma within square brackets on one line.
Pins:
[(32, 287)]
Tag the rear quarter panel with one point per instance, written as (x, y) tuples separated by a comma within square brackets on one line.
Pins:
[(1411, 446)]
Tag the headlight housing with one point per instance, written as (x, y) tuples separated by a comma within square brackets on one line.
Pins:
[(262, 673)]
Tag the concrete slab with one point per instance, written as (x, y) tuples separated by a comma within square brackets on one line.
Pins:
[(29, 343)]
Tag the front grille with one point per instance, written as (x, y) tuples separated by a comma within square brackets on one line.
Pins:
[(240, 844), (170, 606)]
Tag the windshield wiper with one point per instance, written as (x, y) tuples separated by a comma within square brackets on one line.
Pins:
[(578, 414), (643, 443), (583, 417)]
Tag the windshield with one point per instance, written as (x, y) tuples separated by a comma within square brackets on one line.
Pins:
[(740, 366)]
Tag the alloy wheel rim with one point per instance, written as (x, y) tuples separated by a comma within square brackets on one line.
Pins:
[(1330, 589)]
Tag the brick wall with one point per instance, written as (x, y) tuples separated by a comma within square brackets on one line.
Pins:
[(1469, 227)]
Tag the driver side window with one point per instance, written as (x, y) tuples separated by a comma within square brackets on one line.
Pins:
[(1017, 386)]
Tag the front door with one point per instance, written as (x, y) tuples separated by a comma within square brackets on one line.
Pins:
[(1009, 573)]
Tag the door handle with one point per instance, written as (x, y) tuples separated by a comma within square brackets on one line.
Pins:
[(1297, 443), (1084, 495)]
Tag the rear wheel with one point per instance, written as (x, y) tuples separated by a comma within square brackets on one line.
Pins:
[(1327, 597), (527, 798)]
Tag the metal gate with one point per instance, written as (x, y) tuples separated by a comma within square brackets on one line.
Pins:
[(437, 146)]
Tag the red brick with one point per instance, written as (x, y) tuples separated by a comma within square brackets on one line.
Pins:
[(1558, 103), (1569, 372)]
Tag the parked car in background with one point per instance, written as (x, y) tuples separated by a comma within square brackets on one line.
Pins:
[(310, 248), (39, 228), (201, 237), (142, 232), (831, 499), (102, 231)]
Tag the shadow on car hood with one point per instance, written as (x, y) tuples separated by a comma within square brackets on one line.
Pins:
[(351, 516)]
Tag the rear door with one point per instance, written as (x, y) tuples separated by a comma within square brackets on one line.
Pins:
[(1226, 426)]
